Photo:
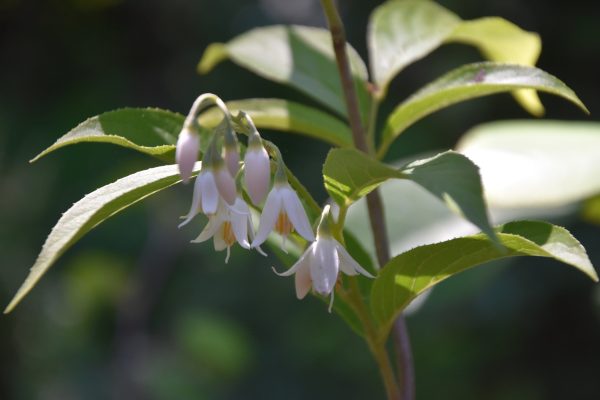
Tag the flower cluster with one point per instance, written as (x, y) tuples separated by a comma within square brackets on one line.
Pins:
[(218, 194)]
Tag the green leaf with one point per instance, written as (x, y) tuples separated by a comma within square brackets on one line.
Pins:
[(402, 32), (535, 163), (214, 54), (468, 82), (502, 41), (288, 116), (148, 130), (349, 174), (92, 210), (411, 273), (590, 210), (299, 56), (453, 178)]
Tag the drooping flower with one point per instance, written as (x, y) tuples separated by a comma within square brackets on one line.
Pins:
[(283, 212), (186, 152), (205, 198), (257, 169), (321, 262), (229, 225)]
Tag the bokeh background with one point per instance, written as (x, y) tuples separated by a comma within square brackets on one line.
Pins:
[(135, 312)]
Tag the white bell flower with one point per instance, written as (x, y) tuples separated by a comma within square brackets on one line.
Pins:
[(229, 225), (205, 197), (283, 212), (321, 262)]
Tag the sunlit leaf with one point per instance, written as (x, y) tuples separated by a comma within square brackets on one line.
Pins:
[(536, 163), (453, 178), (288, 116), (411, 273), (148, 130), (590, 211), (350, 174), (468, 82), (299, 56), (92, 210), (502, 41), (402, 32)]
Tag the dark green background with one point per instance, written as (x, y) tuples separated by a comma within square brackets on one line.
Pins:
[(133, 311)]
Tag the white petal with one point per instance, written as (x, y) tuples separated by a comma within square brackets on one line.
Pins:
[(240, 207), (269, 217), (260, 251), (218, 241), (208, 192), (296, 213), (195, 208), (257, 175), (324, 268), (186, 153), (303, 281), (209, 230), (347, 264), (303, 262), (239, 223), (225, 184), (251, 236)]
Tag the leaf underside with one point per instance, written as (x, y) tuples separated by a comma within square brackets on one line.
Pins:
[(410, 274)]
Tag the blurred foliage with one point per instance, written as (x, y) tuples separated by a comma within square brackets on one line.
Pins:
[(134, 311)]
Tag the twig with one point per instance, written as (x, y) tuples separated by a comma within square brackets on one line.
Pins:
[(374, 202)]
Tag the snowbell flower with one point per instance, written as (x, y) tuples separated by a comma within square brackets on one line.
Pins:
[(283, 213), (229, 225), (319, 265), (186, 152), (205, 198), (257, 169)]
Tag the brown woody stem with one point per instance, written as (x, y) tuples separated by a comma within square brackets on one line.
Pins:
[(375, 207)]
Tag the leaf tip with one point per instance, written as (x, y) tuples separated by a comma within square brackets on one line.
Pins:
[(34, 159), (214, 54), (592, 274), (11, 306)]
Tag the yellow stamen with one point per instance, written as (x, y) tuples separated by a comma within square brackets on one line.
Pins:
[(228, 236), (283, 225)]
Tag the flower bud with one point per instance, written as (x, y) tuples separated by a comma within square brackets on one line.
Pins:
[(225, 183), (257, 174), (232, 159), (186, 152)]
